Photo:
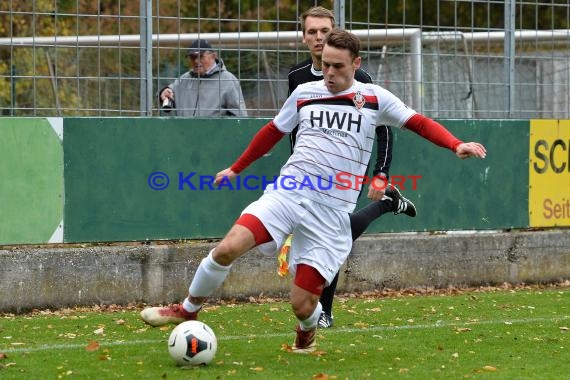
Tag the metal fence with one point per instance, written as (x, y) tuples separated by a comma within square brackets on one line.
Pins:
[(480, 59)]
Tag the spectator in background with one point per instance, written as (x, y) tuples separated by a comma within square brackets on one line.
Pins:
[(207, 89)]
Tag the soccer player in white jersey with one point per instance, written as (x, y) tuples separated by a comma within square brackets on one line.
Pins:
[(337, 118), (316, 22)]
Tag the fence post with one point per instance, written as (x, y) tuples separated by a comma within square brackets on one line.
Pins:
[(510, 55), (339, 13), (146, 57), (417, 78), (13, 91)]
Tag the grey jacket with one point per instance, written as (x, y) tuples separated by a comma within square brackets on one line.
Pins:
[(216, 94)]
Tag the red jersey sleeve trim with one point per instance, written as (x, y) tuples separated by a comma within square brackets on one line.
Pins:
[(262, 142), (432, 131)]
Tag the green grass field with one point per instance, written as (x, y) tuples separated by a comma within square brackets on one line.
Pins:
[(491, 334)]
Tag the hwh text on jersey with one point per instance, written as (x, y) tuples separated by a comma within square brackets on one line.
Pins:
[(327, 119)]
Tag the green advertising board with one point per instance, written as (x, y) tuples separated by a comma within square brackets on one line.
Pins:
[(111, 167)]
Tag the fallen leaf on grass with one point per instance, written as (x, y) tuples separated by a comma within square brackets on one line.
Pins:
[(3, 355), (563, 329), (99, 331), (489, 368), (92, 346), (286, 347), (321, 376), (462, 329), (257, 369)]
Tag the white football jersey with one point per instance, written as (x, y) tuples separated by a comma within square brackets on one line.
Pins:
[(335, 139)]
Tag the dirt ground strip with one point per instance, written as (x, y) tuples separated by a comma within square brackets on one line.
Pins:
[(384, 293)]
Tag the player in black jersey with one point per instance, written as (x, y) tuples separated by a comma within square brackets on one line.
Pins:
[(316, 23)]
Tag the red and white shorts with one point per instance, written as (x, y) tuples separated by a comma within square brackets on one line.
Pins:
[(321, 234)]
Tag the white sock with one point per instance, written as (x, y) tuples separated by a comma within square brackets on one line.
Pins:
[(189, 306), (208, 277), (311, 322)]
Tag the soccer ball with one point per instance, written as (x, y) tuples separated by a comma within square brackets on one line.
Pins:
[(192, 343)]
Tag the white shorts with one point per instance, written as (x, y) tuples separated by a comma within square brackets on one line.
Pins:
[(321, 234)]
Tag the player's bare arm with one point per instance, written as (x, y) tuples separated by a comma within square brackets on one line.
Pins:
[(226, 173), (470, 149)]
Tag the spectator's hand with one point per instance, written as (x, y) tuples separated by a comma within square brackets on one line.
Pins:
[(167, 93), (229, 173), (470, 149), (377, 188)]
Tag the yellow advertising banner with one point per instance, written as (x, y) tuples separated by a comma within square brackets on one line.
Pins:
[(549, 173)]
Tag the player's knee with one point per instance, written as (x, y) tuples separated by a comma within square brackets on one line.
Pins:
[(225, 254), (237, 242), (303, 302), (303, 308)]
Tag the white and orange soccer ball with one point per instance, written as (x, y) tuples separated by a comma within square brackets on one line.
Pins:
[(192, 343)]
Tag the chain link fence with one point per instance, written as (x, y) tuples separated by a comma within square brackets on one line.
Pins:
[(447, 59)]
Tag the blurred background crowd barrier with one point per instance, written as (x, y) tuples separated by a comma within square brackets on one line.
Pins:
[(448, 59)]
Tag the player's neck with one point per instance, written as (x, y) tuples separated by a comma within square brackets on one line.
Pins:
[(317, 64)]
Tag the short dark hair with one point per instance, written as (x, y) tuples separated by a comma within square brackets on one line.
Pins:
[(342, 39), (319, 12)]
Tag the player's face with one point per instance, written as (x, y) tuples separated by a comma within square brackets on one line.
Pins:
[(338, 68), (316, 28), (201, 63)]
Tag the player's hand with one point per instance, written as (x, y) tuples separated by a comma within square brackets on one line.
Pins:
[(229, 173), (377, 188), (470, 149)]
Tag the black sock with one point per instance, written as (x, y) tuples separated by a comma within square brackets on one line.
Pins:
[(361, 219), (327, 296), (359, 222)]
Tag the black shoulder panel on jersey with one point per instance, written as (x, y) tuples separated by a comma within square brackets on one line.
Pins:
[(299, 74)]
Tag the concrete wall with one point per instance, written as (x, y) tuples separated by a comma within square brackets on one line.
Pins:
[(54, 277)]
